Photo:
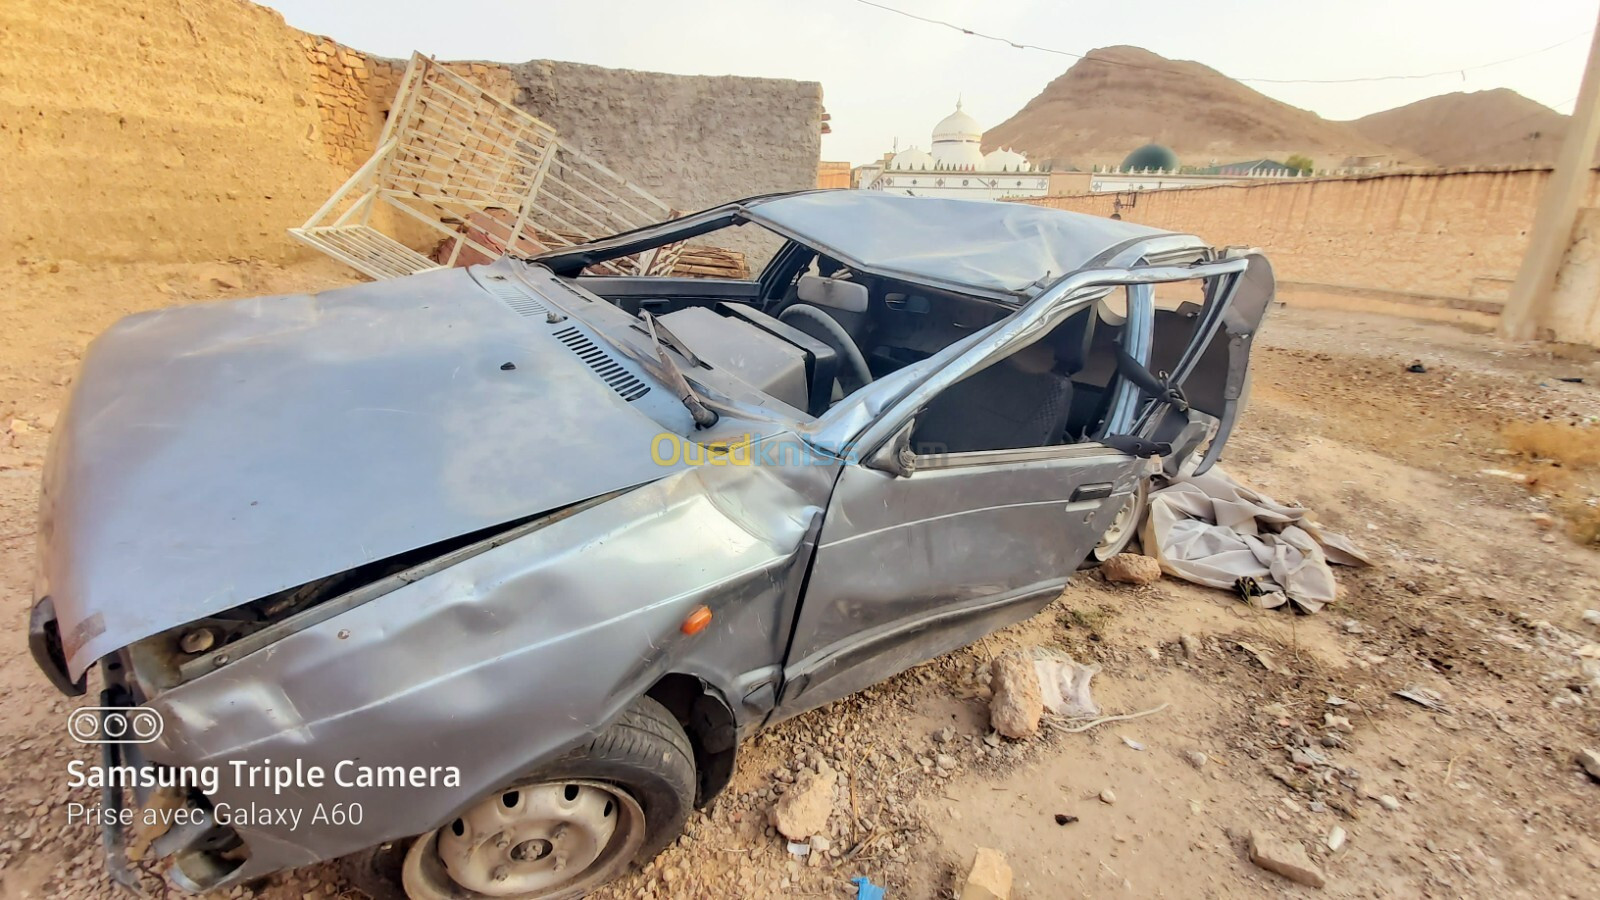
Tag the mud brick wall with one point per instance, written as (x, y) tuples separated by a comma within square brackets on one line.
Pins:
[(346, 85), (1442, 234), (192, 130), (156, 130), (355, 90), (694, 141)]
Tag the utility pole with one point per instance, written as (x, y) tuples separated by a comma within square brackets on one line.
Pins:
[(1528, 308)]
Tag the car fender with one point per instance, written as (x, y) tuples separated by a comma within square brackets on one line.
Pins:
[(507, 659)]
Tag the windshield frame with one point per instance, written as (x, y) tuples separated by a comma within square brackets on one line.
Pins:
[(571, 261)]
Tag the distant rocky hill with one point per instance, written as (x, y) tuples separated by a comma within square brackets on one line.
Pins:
[(1118, 98), (1496, 127)]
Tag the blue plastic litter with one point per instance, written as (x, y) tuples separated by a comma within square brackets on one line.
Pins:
[(866, 890)]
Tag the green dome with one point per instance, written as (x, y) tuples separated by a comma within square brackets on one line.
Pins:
[(1152, 156)]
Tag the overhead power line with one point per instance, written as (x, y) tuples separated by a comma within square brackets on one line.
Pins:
[(1019, 45)]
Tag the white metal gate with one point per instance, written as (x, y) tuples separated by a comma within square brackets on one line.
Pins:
[(484, 174)]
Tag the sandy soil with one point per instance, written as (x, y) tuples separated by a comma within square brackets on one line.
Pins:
[(1470, 597)]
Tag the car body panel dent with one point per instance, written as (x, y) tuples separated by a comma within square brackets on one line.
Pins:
[(462, 519), (908, 568), (532, 614), (186, 484)]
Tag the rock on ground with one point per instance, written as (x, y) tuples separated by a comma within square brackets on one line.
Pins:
[(990, 878), (1590, 761), (1285, 858), (1131, 568), (803, 810), (1017, 705)]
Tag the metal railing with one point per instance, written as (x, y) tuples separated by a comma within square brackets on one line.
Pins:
[(486, 176)]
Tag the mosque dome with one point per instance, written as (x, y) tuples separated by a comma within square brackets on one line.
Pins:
[(957, 147), (958, 155), (1153, 157), (1004, 160), (912, 158), (955, 141), (958, 126)]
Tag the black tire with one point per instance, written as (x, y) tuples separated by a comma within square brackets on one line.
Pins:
[(375, 871), (646, 752)]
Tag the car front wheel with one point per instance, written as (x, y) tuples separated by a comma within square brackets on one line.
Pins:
[(1124, 526), (565, 828)]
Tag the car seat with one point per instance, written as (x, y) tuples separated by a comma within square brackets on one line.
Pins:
[(1020, 401)]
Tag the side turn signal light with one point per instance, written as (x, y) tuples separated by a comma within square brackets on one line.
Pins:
[(697, 621)]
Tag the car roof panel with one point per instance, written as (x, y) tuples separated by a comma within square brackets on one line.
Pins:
[(992, 246)]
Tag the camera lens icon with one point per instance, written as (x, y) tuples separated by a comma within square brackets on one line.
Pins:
[(115, 725)]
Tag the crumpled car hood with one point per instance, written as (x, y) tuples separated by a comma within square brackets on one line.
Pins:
[(217, 453)]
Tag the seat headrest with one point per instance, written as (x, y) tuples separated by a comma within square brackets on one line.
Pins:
[(832, 293)]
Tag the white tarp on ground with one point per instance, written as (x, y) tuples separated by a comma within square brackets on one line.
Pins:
[(1212, 530)]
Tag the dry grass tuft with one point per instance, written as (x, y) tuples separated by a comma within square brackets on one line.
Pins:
[(1583, 522), (1568, 445), (1582, 353), (1562, 461), (1091, 619)]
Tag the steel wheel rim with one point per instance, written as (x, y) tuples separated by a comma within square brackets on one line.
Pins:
[(1120, 532), (538, 840)]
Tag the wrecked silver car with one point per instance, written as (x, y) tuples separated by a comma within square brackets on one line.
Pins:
[(477, 578)]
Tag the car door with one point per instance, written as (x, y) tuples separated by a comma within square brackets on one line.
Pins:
[(914, 561), (911, 566), (1213, 370)]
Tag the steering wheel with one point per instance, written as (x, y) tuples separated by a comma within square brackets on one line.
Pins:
[(833, 334)]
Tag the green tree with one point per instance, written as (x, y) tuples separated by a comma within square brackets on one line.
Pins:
[(1300, 163)]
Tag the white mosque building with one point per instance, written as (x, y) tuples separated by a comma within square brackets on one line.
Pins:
[(956, 167)]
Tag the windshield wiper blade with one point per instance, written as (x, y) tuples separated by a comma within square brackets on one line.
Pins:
[(659, 332), (704, 416)]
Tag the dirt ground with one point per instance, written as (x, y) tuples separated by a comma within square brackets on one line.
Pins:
[(1475, 595)]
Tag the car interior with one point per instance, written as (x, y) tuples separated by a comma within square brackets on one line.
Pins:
[(816, 330)]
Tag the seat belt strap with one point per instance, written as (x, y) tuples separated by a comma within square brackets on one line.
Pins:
[(1137, 446), (1157, 387)]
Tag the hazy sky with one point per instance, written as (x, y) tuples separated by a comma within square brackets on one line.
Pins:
[(885, 76)]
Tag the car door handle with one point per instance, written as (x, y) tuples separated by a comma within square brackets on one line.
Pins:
[(1098, 491)]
